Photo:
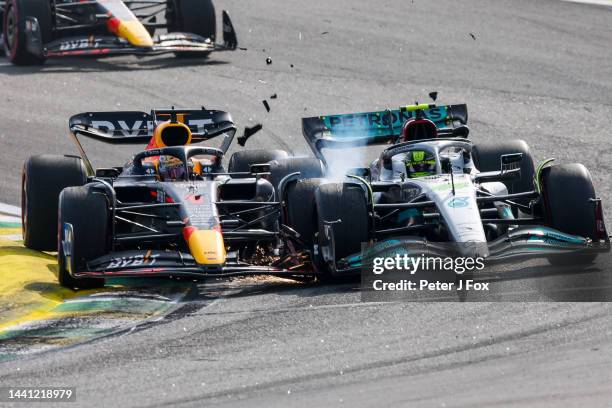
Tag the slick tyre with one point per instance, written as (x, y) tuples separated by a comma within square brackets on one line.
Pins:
[(568, 207), (487, 157), (14, 29), (242, 161), (300, 211), (192, 16), (85, 211), (342, 214), (43, 179)]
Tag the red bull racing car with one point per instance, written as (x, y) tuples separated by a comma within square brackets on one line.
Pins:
[(34, 30), (172, 209)]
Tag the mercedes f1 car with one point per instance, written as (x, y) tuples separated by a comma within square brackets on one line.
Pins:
[(433, 185), (34, 30), (173, 209)]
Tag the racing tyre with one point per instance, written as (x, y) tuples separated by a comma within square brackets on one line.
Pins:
[(308, 167), (341, 211), (14, 25), (567, 191), (301, 214), (192, 16), (43, 179), (242, 161), (487, 157), (86, 210)]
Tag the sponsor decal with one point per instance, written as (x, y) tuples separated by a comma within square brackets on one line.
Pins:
[(382, 119), (147, 259), (447, 186), (140, 127), (459, 202), (80, 44)]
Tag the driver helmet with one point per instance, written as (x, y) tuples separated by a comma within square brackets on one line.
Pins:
[(420, 163), (171, 168)]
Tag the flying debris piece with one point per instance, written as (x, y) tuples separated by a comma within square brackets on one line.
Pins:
[(473, 36), (242, 48), (291, 65), (248, 132), (274, 96), (268, 60), (325, 32), (265, 103), (433, 95)]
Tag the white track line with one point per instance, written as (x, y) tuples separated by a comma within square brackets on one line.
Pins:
[(9, 213), (598, 2), (11, 210)]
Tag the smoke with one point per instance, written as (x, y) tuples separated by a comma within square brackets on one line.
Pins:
[(339, 161)]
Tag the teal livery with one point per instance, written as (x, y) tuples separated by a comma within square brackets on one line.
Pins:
[(383, 123)]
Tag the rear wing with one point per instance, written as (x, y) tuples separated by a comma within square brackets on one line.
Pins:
[(133, 127), (380, 127)]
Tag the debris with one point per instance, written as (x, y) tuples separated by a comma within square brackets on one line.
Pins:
[(265, 104), (242, 48), (291, 65), (473, 36), (274, 96), (248, 132), (325, 32), (433, 95), (268, 60)]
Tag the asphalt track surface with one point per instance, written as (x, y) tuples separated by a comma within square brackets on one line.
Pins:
[(540, 71)]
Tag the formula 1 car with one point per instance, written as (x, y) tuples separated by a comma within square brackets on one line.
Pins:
[(34, 30), (171, 210), (433, 185)]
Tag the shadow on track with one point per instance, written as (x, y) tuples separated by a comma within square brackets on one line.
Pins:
[(109, 64)]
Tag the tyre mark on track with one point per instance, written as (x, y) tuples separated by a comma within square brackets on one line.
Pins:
[(382, 364)]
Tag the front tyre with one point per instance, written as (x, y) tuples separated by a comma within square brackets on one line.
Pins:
[(14, 29), (568, 194), (84, 234), (343, 221), (192, 16)]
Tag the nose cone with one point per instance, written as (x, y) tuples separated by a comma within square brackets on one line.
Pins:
[(133, 31), (206, 246), (473, 249)]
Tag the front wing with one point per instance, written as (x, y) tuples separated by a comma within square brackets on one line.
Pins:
[(525, 243), (177, 264), (109, 45)]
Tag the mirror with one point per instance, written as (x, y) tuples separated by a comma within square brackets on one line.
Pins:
[(363, 172)]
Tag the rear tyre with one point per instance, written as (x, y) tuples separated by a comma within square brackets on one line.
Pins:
[(567, 191), (43, 178), (192, 16), (242, 161), (14, 25), (341, 210), (487, 157), (301, 214), (87, 212)]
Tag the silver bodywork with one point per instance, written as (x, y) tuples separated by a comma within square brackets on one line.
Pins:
[(458, 209)]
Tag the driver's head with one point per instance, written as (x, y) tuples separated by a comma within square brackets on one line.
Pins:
[(420, 163), (172, 168)]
